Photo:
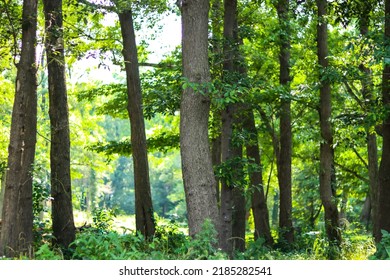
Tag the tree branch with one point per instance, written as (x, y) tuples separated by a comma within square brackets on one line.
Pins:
[(357, 175), (98, 6), (14, 33), (352, 94)]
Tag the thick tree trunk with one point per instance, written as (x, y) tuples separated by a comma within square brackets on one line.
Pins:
[(17, 220), (259, 204), (326, 147), (285, 152), (384, 169), (143, 198), (198, 175), (62, 210)]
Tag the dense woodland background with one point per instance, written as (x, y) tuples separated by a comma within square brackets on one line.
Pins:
[(264, 134)]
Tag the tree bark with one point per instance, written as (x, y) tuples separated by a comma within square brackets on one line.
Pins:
[(61, 190), (216, 14), (371, 205), (2, 188), (259, 203), (384, 169), (365, 215), (326, 147), (239, 210), (216, 160), (143, 199), (197, 169), (285, 152), (232, 198), (17, 219)]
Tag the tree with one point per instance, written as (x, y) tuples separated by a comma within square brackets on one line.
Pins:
[(384, 169), (61, 190), (285, 150), (197, 169), (327, 185), (143, 199), (258, 203), (17, 220), (368, 97), (230, 151)]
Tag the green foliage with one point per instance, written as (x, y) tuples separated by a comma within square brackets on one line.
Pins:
[(168, 243), (163, 142), (172, 241), (45, 252), (103, 219), (204, 245), (91, 245), (357, 246), (235, 171), (383, 247), (41, 193)]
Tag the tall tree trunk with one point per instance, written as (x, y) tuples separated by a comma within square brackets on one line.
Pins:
[(239, 210), (198, 175), (373, 170), (259, 203), (384, 169), (285, 152), (62, 210), (216, 160), (226, 209), (365, 215), (372, 148), (2, 189), (326, 147), (217, 51), (143, 198), (17, 220), (232, 198)]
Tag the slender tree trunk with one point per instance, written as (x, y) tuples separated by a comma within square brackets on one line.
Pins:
[(226, 209), (284, 162), (384, 169), (259, 203), (326, 147), (216, 160), (17, 220), (2, 189), (372, 148), (62, 210), (239, 211), (365, 216), (197, 169), (373, 170), (232, 198), (275, 208), (143, 199), (217, 52)]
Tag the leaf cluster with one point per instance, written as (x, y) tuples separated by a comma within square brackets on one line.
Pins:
[(162, 142)]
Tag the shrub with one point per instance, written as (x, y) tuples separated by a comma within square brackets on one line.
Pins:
[(383, 247), (204, 245)]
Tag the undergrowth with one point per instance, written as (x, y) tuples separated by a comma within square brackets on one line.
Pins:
[(170, 243), (100, 241)]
